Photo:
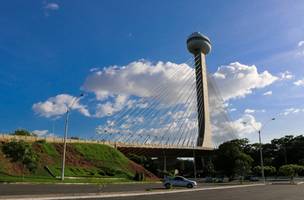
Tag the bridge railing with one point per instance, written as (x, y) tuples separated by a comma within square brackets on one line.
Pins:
[(8, 138)]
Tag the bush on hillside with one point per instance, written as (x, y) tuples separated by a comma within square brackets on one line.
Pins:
[(20, 151)]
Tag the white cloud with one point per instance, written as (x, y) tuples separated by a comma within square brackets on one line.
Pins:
[(268, 93), (289, 111), (139, 79), (56, 106), (299, 82), (40, 133), (300, 50), (249, 111), (51, 6), (239, 128), (115, 88), (301, 43), (109, 108), (43, 133), (237, 80), (287, 75)]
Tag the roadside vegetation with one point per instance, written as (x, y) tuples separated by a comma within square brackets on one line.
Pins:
[(238, 159), (235, 159), (41, 161)]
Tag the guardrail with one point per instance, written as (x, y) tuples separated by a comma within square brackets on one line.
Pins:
[(7, 138)]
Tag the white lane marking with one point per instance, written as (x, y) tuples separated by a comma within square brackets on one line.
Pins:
[(132, 193)]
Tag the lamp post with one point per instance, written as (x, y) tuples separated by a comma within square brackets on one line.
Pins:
[(66, 133), (261, 148)]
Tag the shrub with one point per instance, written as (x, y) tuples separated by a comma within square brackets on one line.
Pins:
[(20, 151), (291, 170), (268, 170), (22, 132)]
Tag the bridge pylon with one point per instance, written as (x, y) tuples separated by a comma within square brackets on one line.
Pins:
[(200, 45)]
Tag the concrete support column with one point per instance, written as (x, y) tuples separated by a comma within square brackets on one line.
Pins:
[(194, 164), (203, 162), (165, 161)]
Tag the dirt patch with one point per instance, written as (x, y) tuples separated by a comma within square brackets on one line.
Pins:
[(11, 168), (140, 169), (73, 157), (44, 158)]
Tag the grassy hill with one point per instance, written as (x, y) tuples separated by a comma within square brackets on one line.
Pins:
[(82, 160)]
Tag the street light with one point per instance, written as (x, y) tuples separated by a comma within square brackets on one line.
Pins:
[(260, 143), (66, 133)]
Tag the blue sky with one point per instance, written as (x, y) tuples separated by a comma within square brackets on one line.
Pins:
[(48, 48)]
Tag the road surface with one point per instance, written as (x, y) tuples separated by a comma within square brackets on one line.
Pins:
[(261, 192), (269, 192), (36, 189)]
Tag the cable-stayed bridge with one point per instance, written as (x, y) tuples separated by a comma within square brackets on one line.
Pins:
[(179, 118)]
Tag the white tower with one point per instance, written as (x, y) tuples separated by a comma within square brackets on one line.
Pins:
[(199, 45)]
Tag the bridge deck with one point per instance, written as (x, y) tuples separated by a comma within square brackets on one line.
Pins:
[(139, 149), (161, 150)]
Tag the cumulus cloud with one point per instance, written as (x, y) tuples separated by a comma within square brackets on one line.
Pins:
[(289, 111), (40, 133), (249, 111), (287, 75), (300, 49), (268, 93), (301, 43), (56, 106), (51, 6), (237, 80), (122, 87), (240, 128), (299, 82), (109, 107), (139, 79)]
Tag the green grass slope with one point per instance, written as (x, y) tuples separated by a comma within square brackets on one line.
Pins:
[(82, 160)]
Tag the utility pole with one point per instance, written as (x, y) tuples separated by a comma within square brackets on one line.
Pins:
[(66, 124), (261, 147), (261, 157)]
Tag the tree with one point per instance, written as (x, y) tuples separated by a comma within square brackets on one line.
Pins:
[(231, 159), (209, 168), (269, 170), (20, 151), (242, 165), (22, 132), (291, 170)]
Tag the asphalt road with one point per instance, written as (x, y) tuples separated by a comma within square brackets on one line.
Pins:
[(269, 192), (37, 189)]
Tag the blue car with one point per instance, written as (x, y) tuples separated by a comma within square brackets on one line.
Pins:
[(179, 181)]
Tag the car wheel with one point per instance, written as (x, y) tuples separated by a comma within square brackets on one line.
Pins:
[(168, 186), (189, 185)]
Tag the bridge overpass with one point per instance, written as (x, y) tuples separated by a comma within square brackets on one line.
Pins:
[(151, 150)]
